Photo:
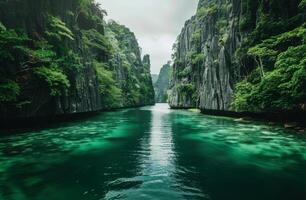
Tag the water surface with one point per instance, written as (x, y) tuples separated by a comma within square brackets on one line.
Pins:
[(154, 153)]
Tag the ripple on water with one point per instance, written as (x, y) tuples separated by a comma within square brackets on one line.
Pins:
[(152, 153), (264, 146)]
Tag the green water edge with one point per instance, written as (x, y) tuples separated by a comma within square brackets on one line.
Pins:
[(154, 153)]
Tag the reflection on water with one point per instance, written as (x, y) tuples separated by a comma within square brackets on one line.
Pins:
[(154, 153), (156, 160), (160, 147)]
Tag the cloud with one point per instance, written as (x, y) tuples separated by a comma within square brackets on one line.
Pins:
[(156, 23)]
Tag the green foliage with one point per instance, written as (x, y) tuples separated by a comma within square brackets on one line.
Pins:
[(54, 57), (56, 80), (195, 57), (97, 42), (186, 89), (283, 86), (298, 83), (199, 58), (12, 44), (302, 5), (9, 91), (196, 37), (84, 4), (261, 51), (126, 41), (195, 97), (283, 58), (91, 10), (71, 62), (196, 40), (19, 51), (58, 30), (275, 44), (41, 54), (162, 83), (221, 26), (2, 27), (186, 72), (254, 77), (243, 93), (43, 61), (204, 11), (111, 94), (136, 86)]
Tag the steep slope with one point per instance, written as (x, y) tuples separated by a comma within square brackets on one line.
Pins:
[(162, 84), (202, 71), (55, 59), (216, 52), (131, 72), (154, 78)]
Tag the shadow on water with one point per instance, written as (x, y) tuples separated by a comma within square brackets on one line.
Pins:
[(153, 153), (225, 159), (75, 161)]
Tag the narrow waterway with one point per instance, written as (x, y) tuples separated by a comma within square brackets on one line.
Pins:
[(154, 153)]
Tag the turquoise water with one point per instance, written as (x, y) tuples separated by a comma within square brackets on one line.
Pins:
[(154, 153)]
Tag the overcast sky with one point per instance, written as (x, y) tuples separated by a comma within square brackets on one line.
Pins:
[(156, 23)]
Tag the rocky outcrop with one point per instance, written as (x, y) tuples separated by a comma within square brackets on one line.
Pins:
[(32, 17), (74, 33), (154, 78), (212, 53), (162, 84), (131, 71), (203, 72)]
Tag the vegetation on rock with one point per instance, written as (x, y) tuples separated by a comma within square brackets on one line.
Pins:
[(132, 72), (65, 53), (162, 84), (244, 55), (280, 61)]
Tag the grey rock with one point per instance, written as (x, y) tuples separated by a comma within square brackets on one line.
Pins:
[(214, 77)]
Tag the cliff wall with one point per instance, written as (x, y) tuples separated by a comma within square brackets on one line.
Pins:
[(217, 50), (56, 59), (162, 84)]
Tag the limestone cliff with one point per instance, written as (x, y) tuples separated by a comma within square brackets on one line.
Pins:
[(211, 53), (203, 74), (131, 71), (162, 84), (56, 59), (154, 78)]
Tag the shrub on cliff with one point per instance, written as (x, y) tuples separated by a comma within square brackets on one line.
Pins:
[(204, 11), (282, 86), (9, 91), (187, 88), (58, 30), (111, 94), (56, 80)]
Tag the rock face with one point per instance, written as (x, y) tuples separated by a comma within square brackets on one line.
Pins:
[(162, 84), (203, 72), (212, 53), (131, 71), (154, 78), (82, 39)]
